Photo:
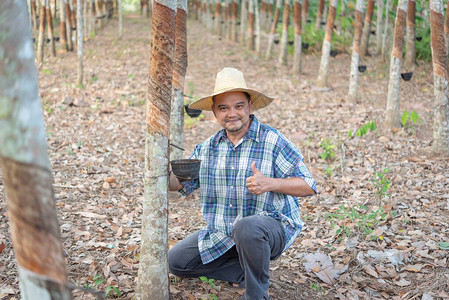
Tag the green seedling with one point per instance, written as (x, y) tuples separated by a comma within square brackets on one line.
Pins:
[(409, 120), (444, 245), (368, 127), (356, 219), (212, 285), (97, 280), (381, 183), (46, 71), (317, 288), (112, 291), (328, 149)]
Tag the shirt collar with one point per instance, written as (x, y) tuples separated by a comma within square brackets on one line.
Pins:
[(251, 133)]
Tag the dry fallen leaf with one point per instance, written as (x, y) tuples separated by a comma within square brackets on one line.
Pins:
[(322, 266)]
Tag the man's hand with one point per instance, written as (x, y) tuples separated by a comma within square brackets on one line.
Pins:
[(258, 183)]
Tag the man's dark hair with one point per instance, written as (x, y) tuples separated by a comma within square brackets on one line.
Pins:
[(247, 95)]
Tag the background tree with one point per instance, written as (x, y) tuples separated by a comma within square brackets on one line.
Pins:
[(41, 40), (250, 38), (440, 77), (25, 165), (353, 79), (327, 42), (243, 17), (446, 30), (410, 47), (298, 38), (393, 118), (152, 281), (51, 39), (273, 29), (319, 15), (284, 40), (379, 19), (364, 43), (79, 43), (385, 33)]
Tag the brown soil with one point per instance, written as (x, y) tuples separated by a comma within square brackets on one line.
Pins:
[(96, 146)]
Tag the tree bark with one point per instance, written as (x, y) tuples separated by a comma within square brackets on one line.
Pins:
[(62, 28), (152, 282), (250, 37), (353, 79), (179, 73), (41, 40), (410, 47), (257, 20), (379, 20), (284, 40), (440, 144), (234, 21), (68, 25), (446, 30), (243, 16), (385, 33), (80, 37), (120, 18), (270, 15), (218, 18), (263, 13), (26, 168), (319, 15), (273, 28), (50, 32), (393, 117), (364, 43), (297, 6), (326, 49), (305, 14)]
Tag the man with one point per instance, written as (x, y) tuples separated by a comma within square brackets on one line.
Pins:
[(249, 180)]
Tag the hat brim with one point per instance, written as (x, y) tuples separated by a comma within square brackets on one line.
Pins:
[(259, 100)]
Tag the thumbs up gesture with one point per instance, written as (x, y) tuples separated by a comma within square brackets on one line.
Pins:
[(258, 183)]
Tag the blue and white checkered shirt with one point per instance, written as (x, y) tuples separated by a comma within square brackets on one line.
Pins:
[(224, 195)]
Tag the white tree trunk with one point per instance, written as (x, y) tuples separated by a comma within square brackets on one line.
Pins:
[(25, 165), (284, 40), (440, 72), (379, 20), (296, 69), (393, 118), (326, 49), (353, 79), (257, 21), (385, 33), (243, 18), (80, 37), (120, 18)]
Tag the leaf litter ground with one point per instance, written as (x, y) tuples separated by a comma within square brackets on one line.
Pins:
[(354, 245)]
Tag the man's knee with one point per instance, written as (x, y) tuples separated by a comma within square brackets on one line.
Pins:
[(248, 229)]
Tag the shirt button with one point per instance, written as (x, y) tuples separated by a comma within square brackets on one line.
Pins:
[(232, 187), (230, 224), (230, 205)]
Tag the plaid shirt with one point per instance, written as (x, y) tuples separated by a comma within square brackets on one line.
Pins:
[(224, 195)]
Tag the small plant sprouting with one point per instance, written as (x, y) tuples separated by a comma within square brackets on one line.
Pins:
[(97, 280), (110, 290), (381, 183), (370, 126), (328, 148), (212, 285), (46, 71), (409, 120), (317, 288)]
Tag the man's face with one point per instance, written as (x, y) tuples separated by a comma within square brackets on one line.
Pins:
[(232, 111)]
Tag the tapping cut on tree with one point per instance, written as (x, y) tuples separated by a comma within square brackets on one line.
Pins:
[(410, 48), (364, 42), (284, 40), (326, 49), (298, 38), (353, 79)]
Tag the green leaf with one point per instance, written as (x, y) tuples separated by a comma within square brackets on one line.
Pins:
[(415, 117), (444, 245), (404, 118)]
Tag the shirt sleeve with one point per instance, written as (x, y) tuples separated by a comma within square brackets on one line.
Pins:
[(290, 163), (192, 185)]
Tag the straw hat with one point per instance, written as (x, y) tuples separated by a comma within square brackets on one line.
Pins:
[(231, 80)]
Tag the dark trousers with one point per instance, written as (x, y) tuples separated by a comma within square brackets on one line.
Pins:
[(258, 239)]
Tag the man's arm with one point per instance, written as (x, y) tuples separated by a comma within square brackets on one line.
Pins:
[(259, 184), (174, 183)]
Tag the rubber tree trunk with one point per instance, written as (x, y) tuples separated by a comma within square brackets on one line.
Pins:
[(273, 29), (364, 43), (93, 11), (228, 19), (34, 14), (327, 42), (257, 21), (284, 40), (410, 47), (152, 281), (62, 26), (69, 25), (446, 30), (270, 15), (120, 18), (319, 15), (263, 13), (379, 20), (243, 17), (179, 73), (305, 14), (218, 18), (297, 6), (80, 37), (385, 33), (440, 76), (250, 37), (50, 31), (234, 21), (393, 117), (25, 165), (41, 40), (353, 79)]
